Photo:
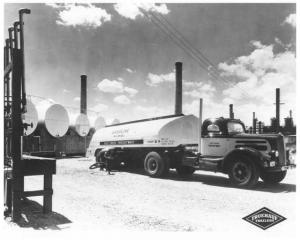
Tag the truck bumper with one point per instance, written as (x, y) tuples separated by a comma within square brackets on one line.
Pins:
[(281, 168)]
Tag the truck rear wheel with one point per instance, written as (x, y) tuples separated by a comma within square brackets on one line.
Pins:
[(155, 165), (273, 177), (243, 172), (185, 170)]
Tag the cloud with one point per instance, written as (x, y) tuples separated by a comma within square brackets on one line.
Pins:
[(258, 74), (86, 15), (54, 5), (210, 109), (141, 112), (291, 20), (131, 91), (154, 80), (199, 90), (66, 91), (76, 99), (99, 107), (129, 70), (110, 86), (132, 10), (114, 86), (122, 99)]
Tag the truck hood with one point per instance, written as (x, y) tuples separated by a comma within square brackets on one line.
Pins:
[(257, 136)]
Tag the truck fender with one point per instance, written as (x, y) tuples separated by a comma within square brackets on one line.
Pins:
[(253, 154)]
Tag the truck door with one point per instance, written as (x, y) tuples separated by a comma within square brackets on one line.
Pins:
[(214, 143)]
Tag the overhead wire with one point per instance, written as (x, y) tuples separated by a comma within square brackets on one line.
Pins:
[(160, 21), (203, 57)]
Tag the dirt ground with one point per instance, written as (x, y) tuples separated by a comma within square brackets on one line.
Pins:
[(87, 199)]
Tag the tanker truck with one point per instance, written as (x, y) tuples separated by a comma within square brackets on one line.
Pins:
[(185, 143), (170, 142)]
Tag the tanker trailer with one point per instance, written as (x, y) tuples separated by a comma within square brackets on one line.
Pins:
[(158, 144)]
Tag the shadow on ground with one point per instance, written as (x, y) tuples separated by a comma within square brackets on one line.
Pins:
[(222, 181), (33, 217)]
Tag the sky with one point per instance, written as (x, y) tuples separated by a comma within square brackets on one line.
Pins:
[(130, 61)]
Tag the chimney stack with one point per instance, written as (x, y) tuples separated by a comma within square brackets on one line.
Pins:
[(254, 123), (231, 114), (83, 99), (277, 109), (291, 114), (178, 90)]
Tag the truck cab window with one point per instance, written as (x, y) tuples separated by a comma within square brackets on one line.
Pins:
[(234, 128), (213, 130)]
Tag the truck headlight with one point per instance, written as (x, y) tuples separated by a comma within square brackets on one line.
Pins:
[(292, 156), (274, 154)]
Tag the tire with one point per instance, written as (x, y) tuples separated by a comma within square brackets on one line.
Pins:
[(155, 165), (243, 172), (185, 170), (273, 177)]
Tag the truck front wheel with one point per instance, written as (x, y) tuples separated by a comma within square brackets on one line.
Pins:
[(185, 170), (273, 177), (243, 172), (155, 165)]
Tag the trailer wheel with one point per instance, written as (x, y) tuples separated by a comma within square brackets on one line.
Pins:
[(273, 177), (185, 170), (243, 172), (155, 165)]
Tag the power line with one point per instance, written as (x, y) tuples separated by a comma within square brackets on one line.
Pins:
[(183, 43), (202, 57)]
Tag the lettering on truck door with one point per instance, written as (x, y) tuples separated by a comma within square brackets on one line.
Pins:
[(213, 141), (213, 146)]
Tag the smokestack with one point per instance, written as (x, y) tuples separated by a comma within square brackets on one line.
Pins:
[(83, 100), (254, 123), (231, 114), (260, 127), (178, 90), (277, 109), (291, 114)]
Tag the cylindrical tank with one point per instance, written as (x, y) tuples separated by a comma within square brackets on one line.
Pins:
[(30, 118), (81, 125), (54, 117), (99, 123), (115, 121)]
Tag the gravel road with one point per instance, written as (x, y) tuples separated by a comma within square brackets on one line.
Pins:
[(87, 199)]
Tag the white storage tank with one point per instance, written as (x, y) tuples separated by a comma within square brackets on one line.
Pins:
[(54, 117), (82, 125), (115, 121), (30, 118), (99, 123)]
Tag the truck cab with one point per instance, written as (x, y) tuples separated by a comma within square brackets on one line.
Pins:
[(217, 135), (227, 148)]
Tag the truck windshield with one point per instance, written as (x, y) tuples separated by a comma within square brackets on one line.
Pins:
[(234, 127)]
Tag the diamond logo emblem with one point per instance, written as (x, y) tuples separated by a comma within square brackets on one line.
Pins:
[(264, 218)]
